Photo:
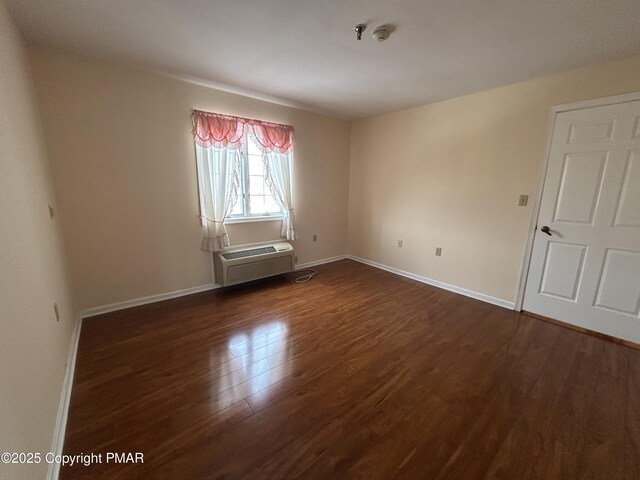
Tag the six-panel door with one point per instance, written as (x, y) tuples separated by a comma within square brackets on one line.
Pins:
[(587, 272)]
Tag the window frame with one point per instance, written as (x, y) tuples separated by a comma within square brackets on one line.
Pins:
[(244, 195)]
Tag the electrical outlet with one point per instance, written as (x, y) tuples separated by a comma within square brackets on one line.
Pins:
[(55, 309), (523, 200), (315, 237), (399, 243), (438, 252), (50, 211)]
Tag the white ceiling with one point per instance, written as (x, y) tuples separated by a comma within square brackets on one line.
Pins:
[(304, 53)]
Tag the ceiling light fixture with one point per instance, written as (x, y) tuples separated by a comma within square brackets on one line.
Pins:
[(361, 27), (381, 33)]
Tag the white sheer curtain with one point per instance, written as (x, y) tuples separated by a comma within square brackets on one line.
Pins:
[(218, 141), (218, 182), (277, 168)]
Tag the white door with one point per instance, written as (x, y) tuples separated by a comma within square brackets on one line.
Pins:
[(587, 271)]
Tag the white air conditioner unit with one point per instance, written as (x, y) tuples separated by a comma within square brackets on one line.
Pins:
[(251, 262)]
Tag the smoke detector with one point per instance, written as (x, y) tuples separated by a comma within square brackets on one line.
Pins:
[(381, 33)]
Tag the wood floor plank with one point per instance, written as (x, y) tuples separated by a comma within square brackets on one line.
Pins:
[(477, 448), (380, 406), (359, 373), (517, 455), (563, 443), (354, 380), (632, 421), (605, 429), (471, 428), (197, 386), (402, 418)]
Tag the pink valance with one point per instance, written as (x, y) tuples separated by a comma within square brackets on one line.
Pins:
[(272, 137), (213, 129)]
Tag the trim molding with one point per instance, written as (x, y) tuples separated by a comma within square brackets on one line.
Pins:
[(91, 312), (112, 307), (535, 211), (320, 262), (436, 283), (135, 302), (586, 331), (597, 102), (65, 400)]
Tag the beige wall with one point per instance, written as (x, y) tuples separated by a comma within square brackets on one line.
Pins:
[(449, 174), (124, 171), (33, 346)]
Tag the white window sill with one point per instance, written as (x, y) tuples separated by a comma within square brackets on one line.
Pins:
[(266, 218)]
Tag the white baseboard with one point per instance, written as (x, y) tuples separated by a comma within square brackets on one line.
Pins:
[(112, 307), (445, 286), (65, 399), (320, 262), (203, 288)]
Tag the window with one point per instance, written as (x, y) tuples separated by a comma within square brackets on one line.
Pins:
[(255, 200), (244, 174)]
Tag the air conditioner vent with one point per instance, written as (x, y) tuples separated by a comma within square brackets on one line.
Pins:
[(248, 253), (251, 262)]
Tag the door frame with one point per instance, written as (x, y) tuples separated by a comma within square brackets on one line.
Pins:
[(542, 174)]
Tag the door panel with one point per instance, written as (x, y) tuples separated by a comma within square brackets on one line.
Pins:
[(628, 212), (588, 271), (563, 270), (591, 131), (619, 288), (580, 187)]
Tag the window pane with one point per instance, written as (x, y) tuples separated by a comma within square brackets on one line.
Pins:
[(257, 205), (251, 146), (238, 207), (270, 205), (256, 166), (256, 185), (253, 185)]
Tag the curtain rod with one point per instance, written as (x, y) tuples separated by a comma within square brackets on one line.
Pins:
[(243, 118)]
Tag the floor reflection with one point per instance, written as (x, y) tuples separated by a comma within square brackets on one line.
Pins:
[(253, 361)]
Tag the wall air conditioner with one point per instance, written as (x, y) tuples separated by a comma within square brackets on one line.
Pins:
[(250, 262)]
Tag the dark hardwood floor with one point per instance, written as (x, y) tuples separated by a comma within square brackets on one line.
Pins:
[(357, 374)]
